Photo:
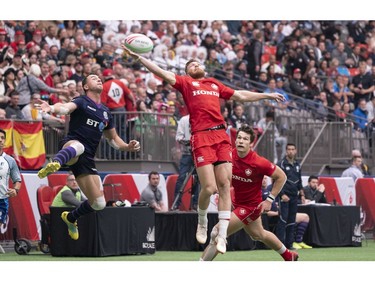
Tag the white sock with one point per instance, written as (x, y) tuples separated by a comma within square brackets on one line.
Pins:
[(224, 217), (202, 217), (282, 250)]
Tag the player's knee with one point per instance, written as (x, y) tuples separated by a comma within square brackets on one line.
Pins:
[(256, 236), (78, 147), (99, 203)]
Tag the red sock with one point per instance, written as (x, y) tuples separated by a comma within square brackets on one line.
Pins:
[(287, 255)]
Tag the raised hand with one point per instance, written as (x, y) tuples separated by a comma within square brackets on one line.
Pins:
[(43, 106), (134, 146), (278, 97)]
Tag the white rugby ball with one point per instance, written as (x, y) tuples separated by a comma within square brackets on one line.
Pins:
[(139, 43)]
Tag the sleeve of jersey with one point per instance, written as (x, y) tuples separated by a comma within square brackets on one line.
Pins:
[(265, 166), (15, 174), (110, 121), (179, 85), (225, 92), (78, 101)]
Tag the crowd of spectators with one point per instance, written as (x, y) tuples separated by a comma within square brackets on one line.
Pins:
[(328, 63)]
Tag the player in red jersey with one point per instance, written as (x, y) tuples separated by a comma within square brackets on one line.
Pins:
[(210, 144), (248, 171)]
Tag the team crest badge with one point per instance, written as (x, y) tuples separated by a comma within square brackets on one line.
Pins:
[(195, 83), (242, 211), (214, 86), (105, 114), (248, 172)]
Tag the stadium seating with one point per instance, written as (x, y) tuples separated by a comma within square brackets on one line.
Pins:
[(44, 196), (365, 191), (186, 197), (57, 179), (56, 189), (331, 191), (120, 187)]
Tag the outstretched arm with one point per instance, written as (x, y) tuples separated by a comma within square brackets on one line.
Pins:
[(58, 108), (244, 95), (167, 76)]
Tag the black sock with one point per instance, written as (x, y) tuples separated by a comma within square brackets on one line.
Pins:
[(64, 155), (301, 228), (82, 210)]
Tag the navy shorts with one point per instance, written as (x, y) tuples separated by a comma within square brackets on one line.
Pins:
[(85, 165), (4, 206)]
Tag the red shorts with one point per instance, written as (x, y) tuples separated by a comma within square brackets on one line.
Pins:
[(247, 214), (209, 147)]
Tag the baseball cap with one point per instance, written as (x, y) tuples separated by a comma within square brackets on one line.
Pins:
[(85, 55), (297, 70), (107, 72), (37, 32), (19, 32), (30, 45)]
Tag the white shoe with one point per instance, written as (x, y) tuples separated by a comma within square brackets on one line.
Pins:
[(2, 250), (201, 234), (221, 244)]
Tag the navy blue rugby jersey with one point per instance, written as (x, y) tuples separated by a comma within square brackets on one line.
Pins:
[(87, 123)]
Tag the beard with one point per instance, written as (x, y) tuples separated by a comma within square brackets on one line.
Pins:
[(199, 73)]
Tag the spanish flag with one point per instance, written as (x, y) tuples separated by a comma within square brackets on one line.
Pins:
[(7, 126), (28, 144)]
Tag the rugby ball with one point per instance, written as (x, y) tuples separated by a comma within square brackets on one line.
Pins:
[(139, 43)]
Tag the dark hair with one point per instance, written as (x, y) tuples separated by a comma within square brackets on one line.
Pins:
[(109, 203), (270, 114), (248, 130), (290, 144), (13, 93), (138, 105), (312, 177), (84, 80), (8, 71), (2, 131), (152, 173)]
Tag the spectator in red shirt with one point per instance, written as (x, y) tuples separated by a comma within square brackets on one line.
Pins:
[(115, 95), (46, 77)]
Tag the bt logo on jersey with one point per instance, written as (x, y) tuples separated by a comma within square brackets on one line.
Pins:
[(91, 122)]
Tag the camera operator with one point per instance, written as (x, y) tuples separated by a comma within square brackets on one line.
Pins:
[(186, 164)]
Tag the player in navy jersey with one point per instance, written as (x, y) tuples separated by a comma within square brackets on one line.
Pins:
[(210, 145), (8, 170), (247, 175), (89, 120)]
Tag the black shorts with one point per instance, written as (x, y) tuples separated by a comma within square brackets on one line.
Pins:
[(85, 165)]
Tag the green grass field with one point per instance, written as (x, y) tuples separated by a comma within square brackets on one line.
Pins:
[(364, 253), (329, 263)]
